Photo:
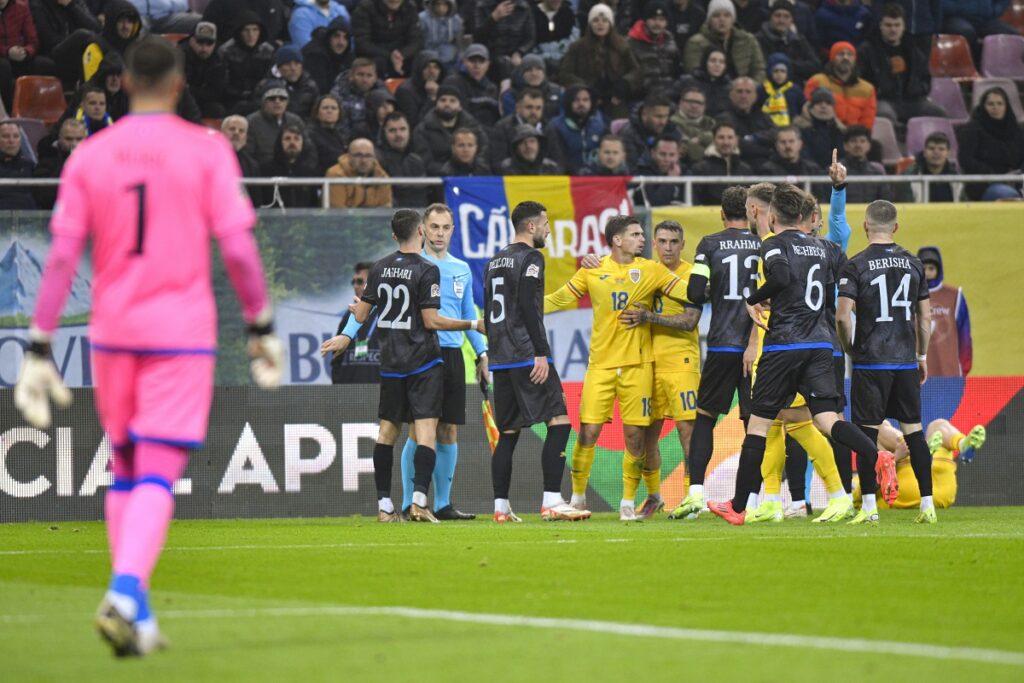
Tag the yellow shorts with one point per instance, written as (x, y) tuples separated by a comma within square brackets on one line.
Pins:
[(675, 395), (631, 385)]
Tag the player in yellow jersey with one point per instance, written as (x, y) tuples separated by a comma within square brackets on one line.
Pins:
[(621, 358), (676, 362)]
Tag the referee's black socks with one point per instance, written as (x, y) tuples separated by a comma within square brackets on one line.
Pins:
[(423, 460), (920, 461), (501, 464), (702, 443), (383, 460), (552, 457)]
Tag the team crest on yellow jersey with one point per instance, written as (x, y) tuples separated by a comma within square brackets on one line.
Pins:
[(634, 275)]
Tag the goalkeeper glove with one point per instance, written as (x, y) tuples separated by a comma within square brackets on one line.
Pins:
[(266, 352), (39, 382)]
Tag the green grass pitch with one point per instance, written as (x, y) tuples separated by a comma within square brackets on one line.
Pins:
[(294, 600)]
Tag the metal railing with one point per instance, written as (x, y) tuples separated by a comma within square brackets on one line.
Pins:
[(924, 182)]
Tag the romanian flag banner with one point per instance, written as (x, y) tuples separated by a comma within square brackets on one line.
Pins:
[(578, 209)]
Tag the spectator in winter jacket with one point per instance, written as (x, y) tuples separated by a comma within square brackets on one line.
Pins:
[(779, 34), (856, 101), (611, 158), (744, 53), (53, 154), (167, 16), (399, 161), (654, 47), (379, 105), (265, 125), (934, 159), (64, 29), (271, 14), (924, 20), (353, 87), (975, 19), (721, 159), (416, 95), (685, 17), (359, 162), (465, 159), (205, 72), (696, 127), (507, 28), (898, 70), (388, 32), (750, 15), (14, 165), (526, 157), (19, 47), (788, 159), (779, 97), (650, 122), (950, 349), (712, 77), (248, 58), (841, 20), (478, 93), (555, 30), (661, 160), (856, 146), (529, 110), (442, 31), (302, 90), (573, 137), (122, 25), (92, 109), (822, 132), (432, 136), (992, 142), (309, 15), (602, 61), (531, 74), (755, 129), (329, 53), (293, 157), (236, 130), (622, 13), (328, 131)]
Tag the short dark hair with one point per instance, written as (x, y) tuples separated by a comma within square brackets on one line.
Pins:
[(691, 89), (529, 91), (656, 99), (404, 223), (856, 132), (734, 203), (438, 207), (724, 123), (88, 88), (810, 205), (360, 62), (151, 59), (617, 225), (394, 116), (524, 212), (891, 10), (293, 128), (937, 137), (762, 192), (790, 129), (362, 265), (316, 106), (466, 131), (671, 226), (611, 137), (788, 204)]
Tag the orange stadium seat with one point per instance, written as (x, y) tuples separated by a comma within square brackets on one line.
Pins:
[(392, 84), (39, 97), (951, 58)]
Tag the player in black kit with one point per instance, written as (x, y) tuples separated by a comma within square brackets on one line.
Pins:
[(527, 390), (886, 285), (797, 352), (724, 273), (406, 289)]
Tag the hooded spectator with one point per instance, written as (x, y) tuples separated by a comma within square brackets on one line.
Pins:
[(577, 133), (555, 30), (654, 47), (478, 93), (465, 159), (526, 158), (646, 125), (64, 30), (602, 61), (610, 159), (248, 58), (842, 20), (309, 15), (399, 161), (779, 96), (293, 157), (359, 162), (507, 28), (266, 123), (388, 32), (354, 86), (442, 32), (328, 131), (779, 34), (122, 25), (302, 90), (329, 53), (856, 101), (744, 53), (992, 142), (272, 16), (712, 77), (379, 105), (432, 136), (722, 158), (109, 79), (696, 127), (205, 72), (531, 74), (416, 95), (950, 349), (822, 132)]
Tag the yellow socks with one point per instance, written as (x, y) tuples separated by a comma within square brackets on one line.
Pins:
[(819, 451), (652, 480), (632, 467), (774, 459), (582, 461), (956, 441)]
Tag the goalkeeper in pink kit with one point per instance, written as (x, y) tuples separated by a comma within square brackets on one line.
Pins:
[(149, 193)]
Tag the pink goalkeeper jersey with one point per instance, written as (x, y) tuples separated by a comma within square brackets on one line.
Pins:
[(150, 192)]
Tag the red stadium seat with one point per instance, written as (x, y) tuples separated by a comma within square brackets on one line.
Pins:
[(951, 58), (39, 97), (920, 127), (982, 85), (392, 84), (1014, 15)]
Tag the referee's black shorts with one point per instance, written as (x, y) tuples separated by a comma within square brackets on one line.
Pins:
[(453, 404), (878, 394), (415, 397), (781, 374), (721, 376), (519, 403)]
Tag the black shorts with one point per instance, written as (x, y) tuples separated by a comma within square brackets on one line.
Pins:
[(519, 403), (839, 364), (453, 405), (781, 374), (721, 376), (878, 394), (416, 397)]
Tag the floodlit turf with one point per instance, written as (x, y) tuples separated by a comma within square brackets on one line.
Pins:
[(257, 600)]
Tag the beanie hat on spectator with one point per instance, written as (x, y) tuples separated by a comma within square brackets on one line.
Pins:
[(274, 87), (776, 58), (601, 10), (655, 8), (524, 131), (783, 5), (838, 47), (822, 95), (532, 61), (287, 53), (721, 6), (449, 90)]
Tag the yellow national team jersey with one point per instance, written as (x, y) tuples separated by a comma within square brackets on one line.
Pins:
[(613, 288), (675, 350)]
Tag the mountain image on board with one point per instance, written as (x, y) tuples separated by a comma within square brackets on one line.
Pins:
[(21, 271)]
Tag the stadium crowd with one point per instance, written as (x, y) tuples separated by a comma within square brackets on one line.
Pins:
[(397, 88)]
